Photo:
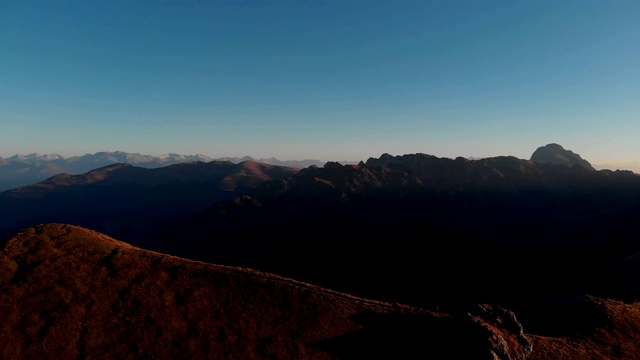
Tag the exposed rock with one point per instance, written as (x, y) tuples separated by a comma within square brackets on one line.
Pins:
[(22, 170), (556, 154), (508, 331)]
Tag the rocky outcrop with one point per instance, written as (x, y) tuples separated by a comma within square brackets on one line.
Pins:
[(556, 154), (22, 170), (504, 331)]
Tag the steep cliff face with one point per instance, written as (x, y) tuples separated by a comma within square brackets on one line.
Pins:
[(556, 154)]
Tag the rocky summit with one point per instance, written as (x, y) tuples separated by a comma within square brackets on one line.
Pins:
[(556, 154)]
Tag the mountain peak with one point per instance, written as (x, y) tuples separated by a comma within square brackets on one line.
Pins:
[(556, 154)]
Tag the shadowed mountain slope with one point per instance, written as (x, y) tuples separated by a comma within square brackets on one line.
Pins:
[(68, 292), (601, 329), (496, 230), (22, 170), (491, 199), (129, 201)]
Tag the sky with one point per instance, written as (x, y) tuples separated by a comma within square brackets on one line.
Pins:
[(326, 80)]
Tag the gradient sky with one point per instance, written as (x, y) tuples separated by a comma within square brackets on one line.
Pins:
[(327, 80)]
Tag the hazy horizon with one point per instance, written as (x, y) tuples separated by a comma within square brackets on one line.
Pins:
[(629, 165), (324, 80)]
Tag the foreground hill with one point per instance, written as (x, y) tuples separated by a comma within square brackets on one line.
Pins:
[(602, 329), (22, 170), (129, 201), (68, 292)]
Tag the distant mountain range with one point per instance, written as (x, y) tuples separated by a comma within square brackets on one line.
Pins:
[(488, 197), (127, 201), (20, 170), (550, 238), (496, 230)]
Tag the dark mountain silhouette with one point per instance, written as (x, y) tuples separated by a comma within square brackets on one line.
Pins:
[(128, 201), (68, 292), (556, 154), (22, 170), (501, 230)]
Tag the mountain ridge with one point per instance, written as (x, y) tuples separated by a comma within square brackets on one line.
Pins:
[(73, 292), (555, 154), (400, 219), (70, 292), (126, 200), (20, 170)]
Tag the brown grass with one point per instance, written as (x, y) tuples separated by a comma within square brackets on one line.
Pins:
[(71, 293)]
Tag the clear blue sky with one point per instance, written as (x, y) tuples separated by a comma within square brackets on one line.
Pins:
[(328, 80)]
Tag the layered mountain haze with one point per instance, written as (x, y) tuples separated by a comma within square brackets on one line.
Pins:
[(628, 165), (21, 170), (129, 201), (273, 161)]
